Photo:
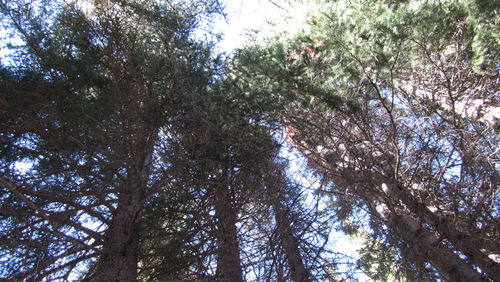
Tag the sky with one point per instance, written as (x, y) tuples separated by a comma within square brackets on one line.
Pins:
[(242, 16), (265, 16)]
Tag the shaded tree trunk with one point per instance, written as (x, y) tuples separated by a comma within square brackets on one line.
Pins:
[(119, 258), (120, 249), (465, 243), (428, 246), (289, 242), (119, 262), (228, 262)]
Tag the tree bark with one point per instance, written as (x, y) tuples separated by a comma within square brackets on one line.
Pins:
[(228, 261), (289, 242), (429, 246), (465, 243), (119, 258)]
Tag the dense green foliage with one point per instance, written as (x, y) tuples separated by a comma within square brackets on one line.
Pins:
[(395, 104), (84, 107), (130, 149)]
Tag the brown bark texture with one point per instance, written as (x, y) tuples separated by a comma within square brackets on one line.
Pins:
[(228, 262), (429, 246), (119, 258), (289, 241), (466, 243)]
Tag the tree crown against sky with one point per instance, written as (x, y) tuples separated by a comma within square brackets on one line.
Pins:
[(140, 156), (395, 104), (147, 155), (85, 106)]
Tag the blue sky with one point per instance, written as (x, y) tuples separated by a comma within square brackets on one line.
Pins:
[(264, 16)]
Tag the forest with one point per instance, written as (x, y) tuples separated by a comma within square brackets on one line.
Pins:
[(133, 149)]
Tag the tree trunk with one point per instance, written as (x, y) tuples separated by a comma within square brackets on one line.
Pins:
[(465, 243), (288, 241), (228, 262), (429, 246), (118, 261)]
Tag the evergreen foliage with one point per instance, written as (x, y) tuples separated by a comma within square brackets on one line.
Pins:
[(394, 104), (130, 150)]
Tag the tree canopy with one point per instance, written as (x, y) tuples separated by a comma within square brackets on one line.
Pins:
[(132, 150)]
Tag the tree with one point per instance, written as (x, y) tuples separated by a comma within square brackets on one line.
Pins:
[(129, 150), (394, 106), (142, 152), (221, 152), (276, 184), (86, 108)]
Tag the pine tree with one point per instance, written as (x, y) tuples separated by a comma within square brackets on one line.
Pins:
[(86, 107), (393, 103)]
